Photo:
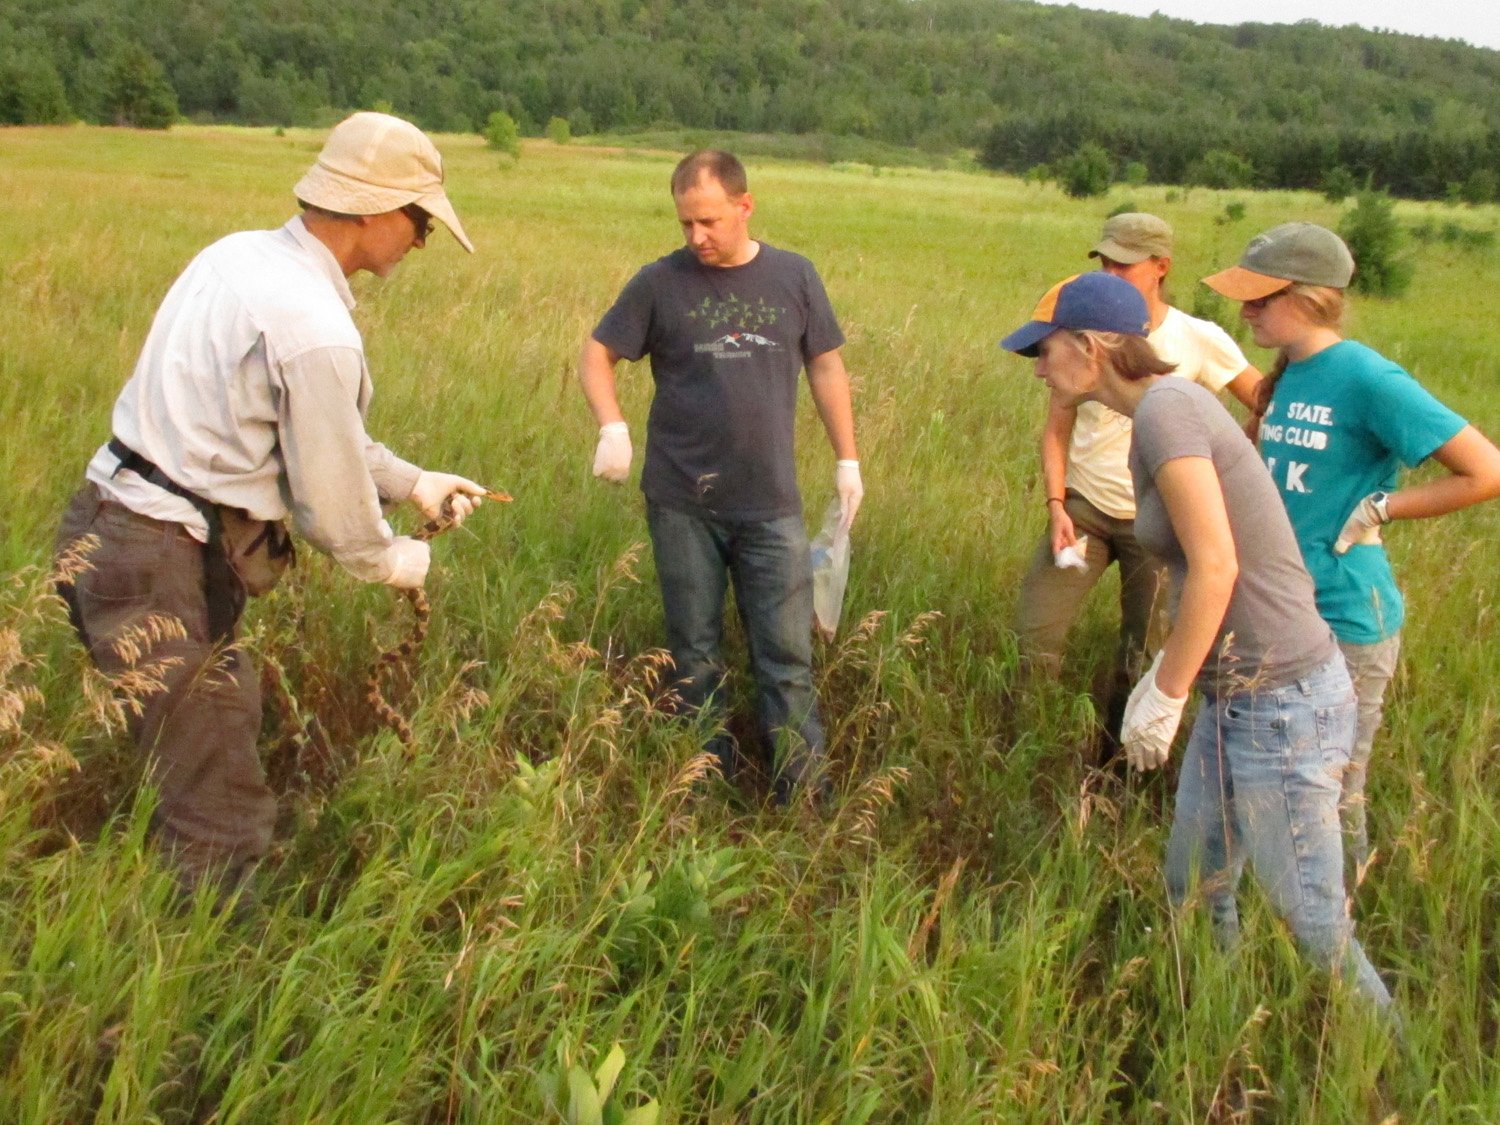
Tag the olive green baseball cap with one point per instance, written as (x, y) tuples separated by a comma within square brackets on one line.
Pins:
[(1291, 252), (1133, 237)]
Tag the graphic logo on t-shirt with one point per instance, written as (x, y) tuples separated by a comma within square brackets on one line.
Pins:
[(1317, 423), (742, 318)]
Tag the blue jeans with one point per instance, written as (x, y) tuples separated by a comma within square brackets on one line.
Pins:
[(769, 563), (1261, 781)]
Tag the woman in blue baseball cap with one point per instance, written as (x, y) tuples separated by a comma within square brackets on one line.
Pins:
[(1259, 774), (1090, 503), (1339, 422)]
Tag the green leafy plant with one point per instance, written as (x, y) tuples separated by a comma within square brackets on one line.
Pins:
[(581, 1098)]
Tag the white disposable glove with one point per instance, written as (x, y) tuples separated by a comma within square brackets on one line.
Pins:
[(612, 456), (433, 488), (850, 489), (1075, 556), (409, 559), (1364, 523), (1151, 721)]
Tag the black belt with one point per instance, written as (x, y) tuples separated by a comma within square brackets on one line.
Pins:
[(219, 581)]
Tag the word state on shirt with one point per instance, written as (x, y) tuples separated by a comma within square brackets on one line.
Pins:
[(1309, 433)]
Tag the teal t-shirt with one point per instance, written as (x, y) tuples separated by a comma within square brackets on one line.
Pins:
[(1340, 425)]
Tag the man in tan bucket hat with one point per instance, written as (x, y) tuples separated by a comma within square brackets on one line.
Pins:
[(247, 406)]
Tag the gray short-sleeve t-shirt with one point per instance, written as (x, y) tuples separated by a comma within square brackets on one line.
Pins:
[(727, 346), (1271, 633)]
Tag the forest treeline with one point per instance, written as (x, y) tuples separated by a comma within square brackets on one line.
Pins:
[(1025, 85)]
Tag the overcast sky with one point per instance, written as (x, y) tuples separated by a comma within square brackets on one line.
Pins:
[(1474, 21)]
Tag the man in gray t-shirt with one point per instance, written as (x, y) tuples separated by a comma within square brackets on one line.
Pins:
[(729, 324)]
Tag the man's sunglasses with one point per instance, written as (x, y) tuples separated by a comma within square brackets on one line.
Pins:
[(420, 220)]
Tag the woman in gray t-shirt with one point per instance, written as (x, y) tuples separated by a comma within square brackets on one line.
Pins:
[(1260, 775)]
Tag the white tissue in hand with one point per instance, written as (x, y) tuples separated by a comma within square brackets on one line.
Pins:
[(1073, 556)]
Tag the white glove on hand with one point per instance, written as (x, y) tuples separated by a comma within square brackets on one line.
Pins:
[(850, 489), (433, 488), (1075, 556), (1364, 523), (409, 559), (612, 457), (1151, 721)]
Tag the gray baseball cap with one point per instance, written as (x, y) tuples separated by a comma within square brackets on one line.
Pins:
[(1133, 237), (1275, 258)]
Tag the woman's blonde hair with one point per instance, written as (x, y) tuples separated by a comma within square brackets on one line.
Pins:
[(1131, 357), (1321, 306)]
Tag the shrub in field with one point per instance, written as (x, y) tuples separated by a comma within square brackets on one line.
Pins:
[(502, 134), (1125, 207), (1208, 305), (1134, 173), (558, 131), (1482, 186), (1452, 234), (136, 90), (1086, 173), (1233, 212), (1220, 168), (1338, 184), (1374, 238)]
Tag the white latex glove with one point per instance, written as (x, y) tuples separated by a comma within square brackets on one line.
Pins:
[(433, 488), (1074, 556), (409, 559), (850, 489), (1151, 721), (1363, 525), (612, 456)]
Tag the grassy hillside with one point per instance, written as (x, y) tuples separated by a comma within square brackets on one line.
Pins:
[(976, 931)]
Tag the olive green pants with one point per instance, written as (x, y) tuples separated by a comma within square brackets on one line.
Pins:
[(140, 608), (1052, 599)]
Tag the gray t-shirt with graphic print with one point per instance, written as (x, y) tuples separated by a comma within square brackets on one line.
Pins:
[(1271, 633), (727, 345)]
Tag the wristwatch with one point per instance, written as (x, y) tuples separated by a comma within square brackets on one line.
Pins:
[(1378, 501)]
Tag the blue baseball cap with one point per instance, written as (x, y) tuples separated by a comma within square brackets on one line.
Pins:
[(1095, 301)]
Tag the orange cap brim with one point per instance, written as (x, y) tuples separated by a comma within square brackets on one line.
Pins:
[(1239, 284)]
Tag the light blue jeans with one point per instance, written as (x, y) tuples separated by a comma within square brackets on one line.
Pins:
[(1261, 781), (771, 568)]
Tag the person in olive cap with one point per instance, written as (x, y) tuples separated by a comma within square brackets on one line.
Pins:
[(1340, 421), (1089, 499), (1245, 632), (247, 406)]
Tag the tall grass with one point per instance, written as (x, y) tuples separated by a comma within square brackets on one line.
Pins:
[(976, 930)]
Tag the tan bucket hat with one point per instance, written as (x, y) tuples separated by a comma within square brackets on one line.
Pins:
[(373, 163)]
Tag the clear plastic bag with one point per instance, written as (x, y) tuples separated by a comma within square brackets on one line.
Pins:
[(830, 570)]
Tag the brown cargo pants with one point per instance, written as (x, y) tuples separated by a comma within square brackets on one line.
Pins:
[(197, 734)]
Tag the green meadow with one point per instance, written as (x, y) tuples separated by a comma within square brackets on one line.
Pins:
[(975, 930)]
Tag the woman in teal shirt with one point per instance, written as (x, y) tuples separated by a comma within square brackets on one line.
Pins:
[(1339, 422)]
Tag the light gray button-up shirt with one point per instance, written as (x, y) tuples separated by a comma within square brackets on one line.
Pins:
[(251, 391)]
